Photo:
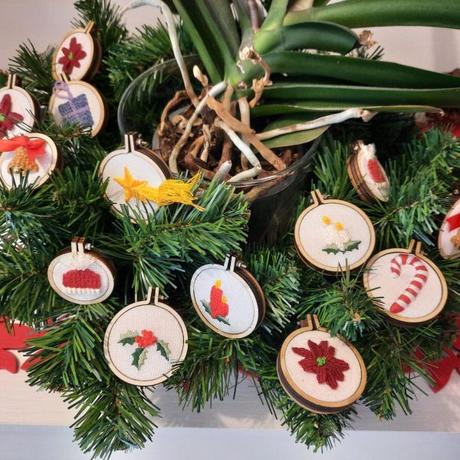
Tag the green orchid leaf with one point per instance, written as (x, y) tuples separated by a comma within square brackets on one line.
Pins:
[(299, 138), (361, 96), (376, 13), (323, 36), (356, 70), (327, 107)]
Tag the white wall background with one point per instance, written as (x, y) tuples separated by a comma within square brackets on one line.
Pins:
[(47, 21)]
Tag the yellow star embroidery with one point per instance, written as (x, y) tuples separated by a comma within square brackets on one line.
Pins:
[(133, 187)]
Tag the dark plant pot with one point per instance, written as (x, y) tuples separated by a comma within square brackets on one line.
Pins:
[(277, 195), (273, 209)]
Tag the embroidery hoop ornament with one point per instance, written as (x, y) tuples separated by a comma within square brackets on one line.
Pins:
[(415, 247), (132, 148), (245, 277), (357, 175), (155, 304), (32, 109), (444, 231), (85, 88), (56, 162), (318, 200), (79, 246), (296, 393), (94, 50)]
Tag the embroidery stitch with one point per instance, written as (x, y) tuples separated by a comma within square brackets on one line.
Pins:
[(320, 360), (144, 340), (338, 239), (8, 118), (84, 281), (217, 306), (71, 56), (415, 286), (75, 110)]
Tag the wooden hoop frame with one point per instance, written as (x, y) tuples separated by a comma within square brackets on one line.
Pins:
[(131, 148), (442, 229), (297, 394), (357, 179), (155, 304), (107, 265), (396, 318), (248, 280), (318, 200), (12, 84), (96, 128), (95, 52), (54, 155)]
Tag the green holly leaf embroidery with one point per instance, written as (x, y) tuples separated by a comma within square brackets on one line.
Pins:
[(128, 338), (350, 246), (164, 350), (139, 356), (207, 309)]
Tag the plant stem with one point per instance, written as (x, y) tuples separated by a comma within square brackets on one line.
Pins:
[(172, 32), (214, 91)]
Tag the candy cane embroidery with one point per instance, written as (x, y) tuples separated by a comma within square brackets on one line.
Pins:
[(415, 286)]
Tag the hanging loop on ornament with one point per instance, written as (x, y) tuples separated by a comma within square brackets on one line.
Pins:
[(155, 293), (89, 27), (230, 263), (12, 81), (79, 246), (317, 197)]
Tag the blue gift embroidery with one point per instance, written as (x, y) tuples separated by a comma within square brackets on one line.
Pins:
[(76, 109)]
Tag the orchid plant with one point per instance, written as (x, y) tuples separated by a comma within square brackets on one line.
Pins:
[(277, 79)]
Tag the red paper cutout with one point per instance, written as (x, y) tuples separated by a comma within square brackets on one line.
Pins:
[(14, 339)]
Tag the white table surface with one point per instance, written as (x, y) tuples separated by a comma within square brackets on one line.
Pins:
[(21, 404)]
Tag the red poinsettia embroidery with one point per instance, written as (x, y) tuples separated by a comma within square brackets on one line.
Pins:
[(217, 306), (320, 360), (8, 118), (71, 56)]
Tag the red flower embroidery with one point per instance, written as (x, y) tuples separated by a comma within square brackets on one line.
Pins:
[(217, 301), (7, 118), (146, 339), (320, 360), (71, 56)]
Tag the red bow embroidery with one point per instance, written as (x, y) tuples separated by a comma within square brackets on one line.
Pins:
[(33, 147)]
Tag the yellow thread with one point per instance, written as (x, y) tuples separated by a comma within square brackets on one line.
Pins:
[(218, 283), (326, 220), (339, 226), (168, 192)]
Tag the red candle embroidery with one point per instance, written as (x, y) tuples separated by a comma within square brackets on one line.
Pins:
[(82, 281), (320, 360), (71, 56), (8, 118), (217, 306), (143, 341)]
